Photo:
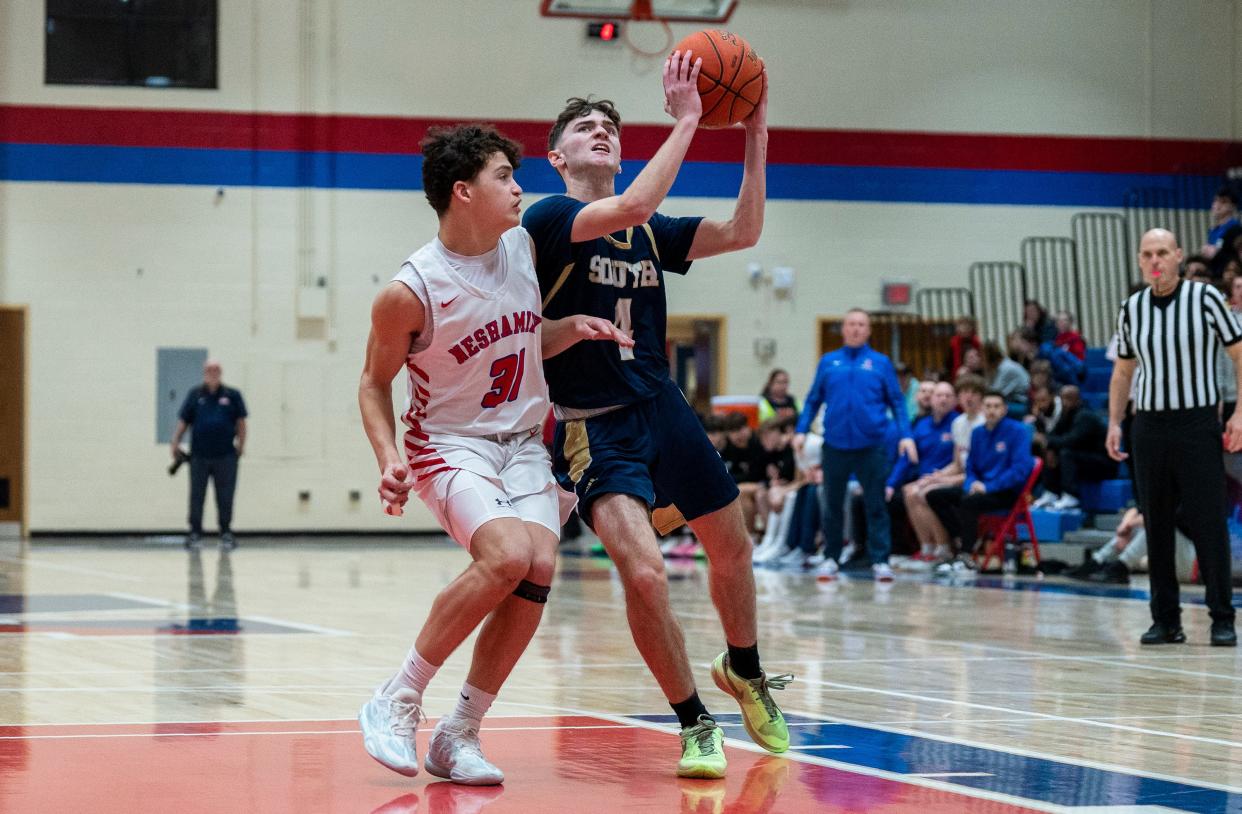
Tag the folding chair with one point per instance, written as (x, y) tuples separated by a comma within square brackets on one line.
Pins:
[(997, 528)]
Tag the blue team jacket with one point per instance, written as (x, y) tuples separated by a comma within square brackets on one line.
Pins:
[(857, 388), (1001, 458), (935, 444)]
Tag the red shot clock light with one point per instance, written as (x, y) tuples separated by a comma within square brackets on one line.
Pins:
[(606, 31)]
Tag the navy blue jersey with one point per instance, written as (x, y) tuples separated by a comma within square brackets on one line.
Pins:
[(619, 278)]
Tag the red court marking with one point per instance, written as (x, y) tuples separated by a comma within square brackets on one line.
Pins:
[(595, 767)]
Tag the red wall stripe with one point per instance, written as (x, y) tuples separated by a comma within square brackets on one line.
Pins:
[(24, 124)]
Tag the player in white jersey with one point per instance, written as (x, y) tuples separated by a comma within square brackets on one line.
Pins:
[(462, 316)]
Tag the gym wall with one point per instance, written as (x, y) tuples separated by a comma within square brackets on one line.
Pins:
[(262, 226)]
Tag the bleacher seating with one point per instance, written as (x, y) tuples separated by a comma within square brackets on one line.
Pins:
[(1105, 497)]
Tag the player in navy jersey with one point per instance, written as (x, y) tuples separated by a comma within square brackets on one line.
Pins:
[(627, 441)]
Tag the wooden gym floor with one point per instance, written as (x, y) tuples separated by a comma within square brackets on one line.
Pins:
[(139, 677)]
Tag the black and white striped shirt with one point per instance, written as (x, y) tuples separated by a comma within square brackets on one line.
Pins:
[(1176, 340)]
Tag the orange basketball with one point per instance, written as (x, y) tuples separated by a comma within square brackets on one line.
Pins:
[(731, 78)]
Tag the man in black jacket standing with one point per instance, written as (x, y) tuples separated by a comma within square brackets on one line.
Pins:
[(1075, 451), (216, 418)]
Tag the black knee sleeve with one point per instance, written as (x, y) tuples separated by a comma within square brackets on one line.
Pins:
[(532, 592)]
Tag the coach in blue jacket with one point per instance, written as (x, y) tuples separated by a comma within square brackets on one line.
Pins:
[(857, 386), (997, 467)]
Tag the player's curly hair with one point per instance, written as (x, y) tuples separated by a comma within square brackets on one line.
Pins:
[(452, 154), (576, 107)]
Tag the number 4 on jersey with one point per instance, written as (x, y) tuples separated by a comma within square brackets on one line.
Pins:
[(506, 376), (625, 326)]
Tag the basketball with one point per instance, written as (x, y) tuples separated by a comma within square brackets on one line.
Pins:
[(731, 78)]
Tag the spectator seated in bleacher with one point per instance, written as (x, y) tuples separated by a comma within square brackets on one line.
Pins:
[(1073, 452), (933, 437), (1067, 352), (1224, 218), (1035, 321), (932, 535), (972, 364), (997, 466), (965, 336), (795, 526), (1126, 553), (776, 438), (1045, 410), (747, 462), (776, 401), (917, 393), (1007, 377), (1197, 268)]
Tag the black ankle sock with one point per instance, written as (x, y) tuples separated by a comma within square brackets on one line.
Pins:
[(745, 661), (688, 711)]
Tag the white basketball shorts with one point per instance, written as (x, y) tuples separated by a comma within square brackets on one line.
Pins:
[(466, 482)]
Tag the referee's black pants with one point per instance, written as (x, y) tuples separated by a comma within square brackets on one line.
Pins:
[(1179, 462)]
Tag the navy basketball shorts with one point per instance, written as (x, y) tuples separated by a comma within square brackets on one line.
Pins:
[(655, 450)]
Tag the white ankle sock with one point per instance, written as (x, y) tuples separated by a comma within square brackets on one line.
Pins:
[(415, 674), (472, 705)]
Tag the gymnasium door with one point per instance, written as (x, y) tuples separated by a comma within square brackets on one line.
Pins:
[(696, 357), (12, 420)]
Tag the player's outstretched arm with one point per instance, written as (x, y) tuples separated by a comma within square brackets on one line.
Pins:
[(396, 316), (559, 335), (742, 230), (638, 203)]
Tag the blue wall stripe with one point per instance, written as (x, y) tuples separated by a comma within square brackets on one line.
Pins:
[(273, 168)]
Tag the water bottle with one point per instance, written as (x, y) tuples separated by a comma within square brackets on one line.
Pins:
[(1010, 565)]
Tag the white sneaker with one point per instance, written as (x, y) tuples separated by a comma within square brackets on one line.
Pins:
[(960, 566), (389, 724), (455, 754), (1065, 503), (768, 555), (768, 549), (815, 560), (1045, 500), (883, 572), (847, 552), (828, 570), (794, 559)]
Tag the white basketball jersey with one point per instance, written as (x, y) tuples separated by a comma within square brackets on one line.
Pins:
[(483, 372)]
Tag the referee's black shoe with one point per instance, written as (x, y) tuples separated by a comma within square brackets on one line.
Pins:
[(1160, 633), (1223, 634)]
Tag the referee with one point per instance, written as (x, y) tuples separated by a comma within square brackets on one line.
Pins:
[(1171, 332)]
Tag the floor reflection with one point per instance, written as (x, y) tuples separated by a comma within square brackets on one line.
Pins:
[(203, 655)]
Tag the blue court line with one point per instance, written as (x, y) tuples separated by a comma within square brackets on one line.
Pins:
[(1020, 776), (59, 603), (338, 170)]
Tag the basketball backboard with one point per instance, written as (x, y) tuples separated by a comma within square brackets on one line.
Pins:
[(702, 11)]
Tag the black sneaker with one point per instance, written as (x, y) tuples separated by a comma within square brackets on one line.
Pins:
[(1223, 634), (1163, 634), (193, 541), (227, 541), (1086, 570), (1113, 573)]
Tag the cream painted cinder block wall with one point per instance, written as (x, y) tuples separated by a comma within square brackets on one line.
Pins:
[(112, 272)]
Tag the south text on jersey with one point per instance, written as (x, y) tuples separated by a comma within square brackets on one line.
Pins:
[(610, 271)]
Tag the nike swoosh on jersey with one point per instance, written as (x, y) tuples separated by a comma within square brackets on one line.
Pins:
[(449, 302)]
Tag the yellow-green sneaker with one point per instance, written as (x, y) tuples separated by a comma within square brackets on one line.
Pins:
[(702, 750), (763, 719)]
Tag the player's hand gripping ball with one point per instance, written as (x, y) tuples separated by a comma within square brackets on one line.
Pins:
[(731, 78)]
